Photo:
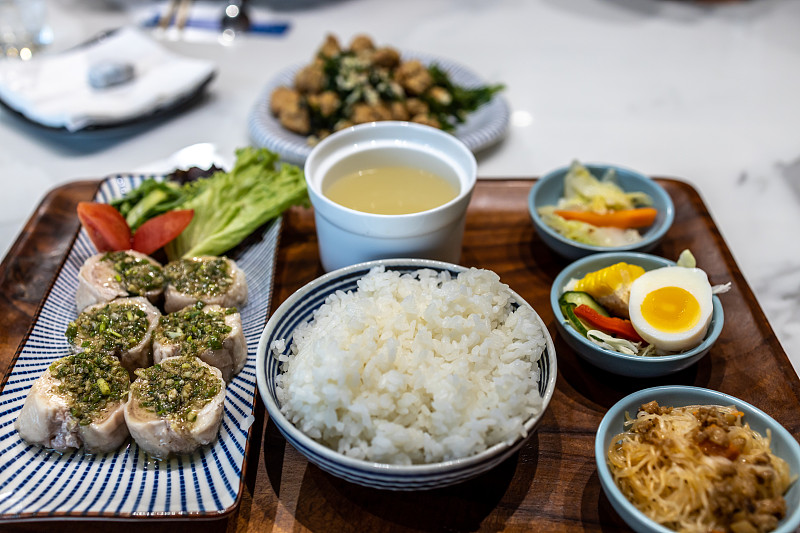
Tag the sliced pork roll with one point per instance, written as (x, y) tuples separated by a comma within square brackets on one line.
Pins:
[(210, 332), (123, 327), (175, 406), (107, 276), (79, 401), (211, 280)]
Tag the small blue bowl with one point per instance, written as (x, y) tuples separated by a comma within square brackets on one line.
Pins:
[(783, 445), (550, 188), (299, 308), (619, 363)]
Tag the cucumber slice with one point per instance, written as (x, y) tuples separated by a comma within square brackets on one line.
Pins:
[(582, 298), (567, 309)]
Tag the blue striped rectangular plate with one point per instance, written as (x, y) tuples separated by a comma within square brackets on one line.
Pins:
[(36, 483)]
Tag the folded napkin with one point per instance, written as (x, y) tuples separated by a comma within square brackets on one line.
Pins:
[(56, 90)]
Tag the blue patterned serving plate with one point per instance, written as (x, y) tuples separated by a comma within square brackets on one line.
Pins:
[(484, 127), (36, 483), (299, 309)]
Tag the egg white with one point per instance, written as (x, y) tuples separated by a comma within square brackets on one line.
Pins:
[(693, 280)]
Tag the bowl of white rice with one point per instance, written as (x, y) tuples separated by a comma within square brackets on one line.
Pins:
[(406, 374)]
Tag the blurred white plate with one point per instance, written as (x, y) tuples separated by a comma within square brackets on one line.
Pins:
[(483, 128)]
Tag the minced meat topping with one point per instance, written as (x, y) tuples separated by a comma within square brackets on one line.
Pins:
[(744, 494)]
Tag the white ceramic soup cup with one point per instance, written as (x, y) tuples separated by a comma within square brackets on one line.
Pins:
[(347, 236)]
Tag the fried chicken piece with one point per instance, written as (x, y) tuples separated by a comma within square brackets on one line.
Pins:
[(427, 120), (370, 113), (399, 111), (296, 120), (415, 106), (330, 47), (283, 98), (287, 104), (361, 43), (327, 102), (310, 79), (413, 77), (342, 124), (386, 57)]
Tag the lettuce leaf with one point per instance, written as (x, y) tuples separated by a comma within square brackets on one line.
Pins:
[(228, 206)]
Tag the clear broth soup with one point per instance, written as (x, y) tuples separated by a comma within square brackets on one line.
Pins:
[(391, 190)]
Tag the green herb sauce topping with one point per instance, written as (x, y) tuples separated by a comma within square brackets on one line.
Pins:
[(92, 380), (200, 277), (136, 275), (194, 329), (178, 388), (113, 328)]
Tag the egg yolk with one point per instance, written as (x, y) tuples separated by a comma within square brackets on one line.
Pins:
[(671, 309)]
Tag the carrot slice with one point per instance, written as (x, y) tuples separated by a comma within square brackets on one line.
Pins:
[(105, 225), (160, 230), (608, 324), (624, 218)]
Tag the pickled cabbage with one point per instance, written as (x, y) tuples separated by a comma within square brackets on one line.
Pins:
[(586, 233), (584, 192)]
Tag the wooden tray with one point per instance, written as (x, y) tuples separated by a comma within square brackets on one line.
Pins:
[(552, 484)]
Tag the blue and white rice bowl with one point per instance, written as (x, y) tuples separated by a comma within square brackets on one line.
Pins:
[(299, 309)]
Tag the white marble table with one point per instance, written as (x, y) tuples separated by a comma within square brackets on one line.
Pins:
[(704, 92)]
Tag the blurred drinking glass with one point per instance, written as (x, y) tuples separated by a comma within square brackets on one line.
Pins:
[(23, 28)]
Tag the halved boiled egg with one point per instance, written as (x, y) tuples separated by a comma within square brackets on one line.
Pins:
[(671, 307)]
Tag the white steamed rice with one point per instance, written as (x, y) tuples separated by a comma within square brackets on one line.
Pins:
[(414, 369)]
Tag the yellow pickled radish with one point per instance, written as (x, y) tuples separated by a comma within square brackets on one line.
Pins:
[(610, 286)]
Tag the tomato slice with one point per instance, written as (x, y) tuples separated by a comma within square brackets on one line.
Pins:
[(160, 230), (105, 225)]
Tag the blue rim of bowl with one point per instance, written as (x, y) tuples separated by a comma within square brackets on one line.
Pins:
[(613, 415), (710, 338), (375, 468), (648, 238)]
